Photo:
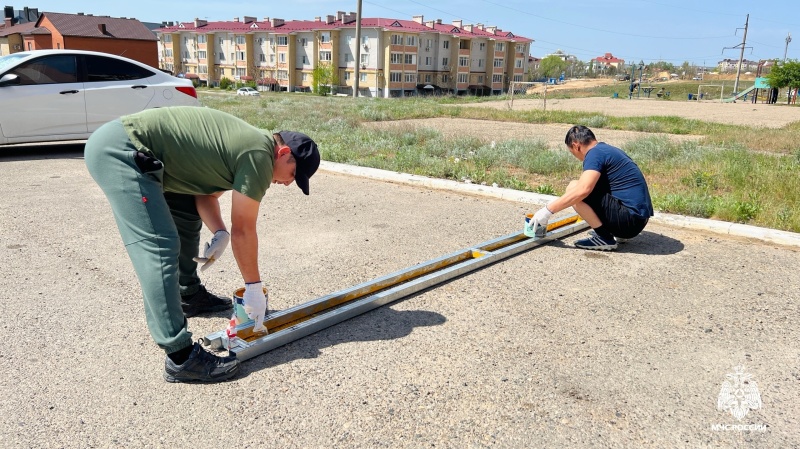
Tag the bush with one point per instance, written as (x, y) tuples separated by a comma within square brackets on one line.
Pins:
[(225, 83)]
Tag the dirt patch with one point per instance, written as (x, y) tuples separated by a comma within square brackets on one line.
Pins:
[(745, 114), (552, 135)]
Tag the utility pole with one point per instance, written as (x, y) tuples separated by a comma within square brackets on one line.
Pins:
[(741, 55), (357, 73), (788, 39)]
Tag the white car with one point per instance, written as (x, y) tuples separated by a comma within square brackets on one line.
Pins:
[(247, 91), (50, 95)]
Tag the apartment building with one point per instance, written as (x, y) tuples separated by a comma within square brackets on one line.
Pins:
[(731, 65), (394, 57)]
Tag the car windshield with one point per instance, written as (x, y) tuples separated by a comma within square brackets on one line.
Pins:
[(8, 60)]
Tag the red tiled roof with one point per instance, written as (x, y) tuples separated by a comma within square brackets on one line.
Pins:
[(24, 28), (89, 26), (291, 26)]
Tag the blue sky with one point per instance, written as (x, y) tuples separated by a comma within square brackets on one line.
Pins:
[(668, 30)]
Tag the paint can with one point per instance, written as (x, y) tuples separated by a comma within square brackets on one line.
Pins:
[(536, 231), (238, 306)]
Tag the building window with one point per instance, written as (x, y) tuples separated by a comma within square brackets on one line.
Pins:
[(518, 63), (482, 46), (396, 58), (411, 77), (500, 46), (497, 78), (201, 38), (324, 56), (325, 37), (282, 58), (240, 55), (202, 69), (221, 56), (240, 40), (395, 77), (427, 60), (498, 62), (363, 76), (463, 61), (347, 76), (445, 78), (304, 77), (272, 59), (397, 39), (480, 79), (167, 38), (364, 40), (411, 40), (283, 75), (305, 59), (445, 61), (463, 45), (480, 62), (283, 40), (364, 58), (241, 72), (202, 54), (221, 40), (445, 44), (262, 58), (462, 77), (410, 59), (517, 78), (428, 78)]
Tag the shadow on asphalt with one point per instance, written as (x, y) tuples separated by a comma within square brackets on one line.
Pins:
[(37, 152), (652, 244), (648, 243), (383, 323)]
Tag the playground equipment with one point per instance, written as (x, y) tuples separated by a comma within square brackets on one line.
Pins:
[(740, 95)]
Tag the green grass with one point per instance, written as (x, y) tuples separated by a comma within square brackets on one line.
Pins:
[(718, 177)]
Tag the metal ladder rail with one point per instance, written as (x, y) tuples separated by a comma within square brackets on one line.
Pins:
[(305, 319)]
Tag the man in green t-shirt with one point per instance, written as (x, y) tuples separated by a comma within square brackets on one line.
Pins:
[(140, 159)]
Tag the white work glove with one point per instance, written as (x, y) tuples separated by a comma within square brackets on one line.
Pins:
[(541, 217), (255, 305), (214, 249)]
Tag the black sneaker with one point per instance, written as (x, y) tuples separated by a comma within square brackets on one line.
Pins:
[(201, 366), (202, 301), (595, 242)]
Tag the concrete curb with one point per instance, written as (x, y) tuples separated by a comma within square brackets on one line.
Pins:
[(701, 224)]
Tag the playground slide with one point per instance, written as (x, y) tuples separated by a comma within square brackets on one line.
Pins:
[(739, 95)]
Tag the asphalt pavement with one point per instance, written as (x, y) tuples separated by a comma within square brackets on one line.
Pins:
[(555, 347)]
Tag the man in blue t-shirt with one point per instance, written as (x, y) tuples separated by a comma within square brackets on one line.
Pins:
[(611, 194)]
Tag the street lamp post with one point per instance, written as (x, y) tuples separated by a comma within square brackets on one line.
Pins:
[(633, 77), (641, 69)]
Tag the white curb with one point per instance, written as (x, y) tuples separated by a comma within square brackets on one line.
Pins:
[(702, 224)]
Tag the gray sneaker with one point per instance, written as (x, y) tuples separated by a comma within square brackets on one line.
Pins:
[(201, 367)]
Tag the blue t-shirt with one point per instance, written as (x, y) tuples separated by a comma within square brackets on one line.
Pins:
[(620, 176)]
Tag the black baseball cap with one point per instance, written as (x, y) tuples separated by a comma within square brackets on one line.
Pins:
[(306, 154)]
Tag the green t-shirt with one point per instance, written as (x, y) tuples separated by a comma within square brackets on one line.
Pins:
[(204, 151)]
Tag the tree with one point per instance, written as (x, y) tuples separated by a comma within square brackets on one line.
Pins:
[(552, 66), (785, 75), (324, 78)]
